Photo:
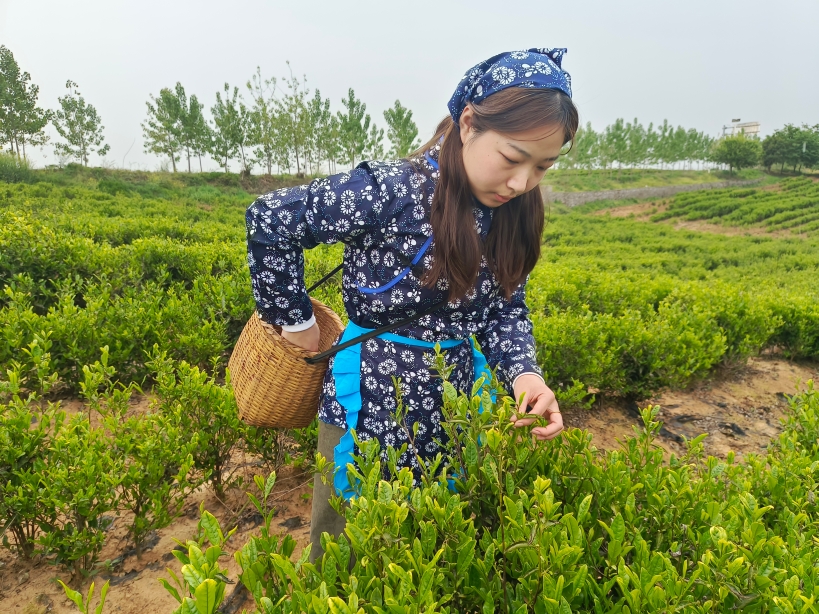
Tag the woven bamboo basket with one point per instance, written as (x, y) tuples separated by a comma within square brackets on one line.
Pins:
[(273, 385)]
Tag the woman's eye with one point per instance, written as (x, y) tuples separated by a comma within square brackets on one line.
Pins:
[(510, 161)]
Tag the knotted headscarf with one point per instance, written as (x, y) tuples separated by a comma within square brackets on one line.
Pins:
[(533, 68)]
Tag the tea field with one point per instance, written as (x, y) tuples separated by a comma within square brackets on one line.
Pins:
[(793, 205), (115, 283)]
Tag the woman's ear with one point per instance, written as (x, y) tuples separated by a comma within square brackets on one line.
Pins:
[(465, 124)]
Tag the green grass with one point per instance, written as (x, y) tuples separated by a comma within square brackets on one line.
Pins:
[(594, 180)]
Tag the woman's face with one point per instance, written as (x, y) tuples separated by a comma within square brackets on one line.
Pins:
[(502, 166)]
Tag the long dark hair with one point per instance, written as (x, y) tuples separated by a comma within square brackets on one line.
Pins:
[(512, 247)]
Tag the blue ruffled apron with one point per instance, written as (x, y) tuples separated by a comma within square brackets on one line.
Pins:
[(347, 376)]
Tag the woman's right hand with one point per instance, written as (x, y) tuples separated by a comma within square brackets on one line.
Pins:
[(307, 339)]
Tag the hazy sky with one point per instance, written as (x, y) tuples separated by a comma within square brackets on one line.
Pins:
[(698, 63)]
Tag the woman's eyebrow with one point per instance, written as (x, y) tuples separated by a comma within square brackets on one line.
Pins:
[(526, 153)]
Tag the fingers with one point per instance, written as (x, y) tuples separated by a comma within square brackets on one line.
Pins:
[(544, 403), (542, 433)]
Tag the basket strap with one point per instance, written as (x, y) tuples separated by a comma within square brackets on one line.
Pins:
[(325, 278), (374, 333)]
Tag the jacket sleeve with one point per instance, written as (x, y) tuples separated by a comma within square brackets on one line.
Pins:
[(507, 341), (281, 224)]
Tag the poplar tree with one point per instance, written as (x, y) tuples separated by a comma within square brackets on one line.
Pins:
[(354, 128), (375, 143), (194, 133), (163, 130), (21, 120), (294, 119), (401, 130), (80, 125), (231, 129), (320, 134), (264, 124)]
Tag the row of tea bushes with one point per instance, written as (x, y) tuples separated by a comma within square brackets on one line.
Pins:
[(539, 527), (65, 476), (796, 206)]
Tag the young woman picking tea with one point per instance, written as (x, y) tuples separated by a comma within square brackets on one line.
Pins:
[(457, 224)]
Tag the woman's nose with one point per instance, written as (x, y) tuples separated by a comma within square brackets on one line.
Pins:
[(517, 183)]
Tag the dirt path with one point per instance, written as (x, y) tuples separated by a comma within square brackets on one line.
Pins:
[(739, 410)]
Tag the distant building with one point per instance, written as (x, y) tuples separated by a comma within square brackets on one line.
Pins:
[(747, 128)]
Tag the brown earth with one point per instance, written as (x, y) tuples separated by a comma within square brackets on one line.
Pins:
[(739, 409)]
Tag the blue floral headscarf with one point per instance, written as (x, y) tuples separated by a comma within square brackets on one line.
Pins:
[(534, 68)]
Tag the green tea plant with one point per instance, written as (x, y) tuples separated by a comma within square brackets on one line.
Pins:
[(199, 407), (157, 456), (26, 431), (265, 553), (202, 587), (84, 603), (795, 207), (80, 488), (156, 480), (558, 527)]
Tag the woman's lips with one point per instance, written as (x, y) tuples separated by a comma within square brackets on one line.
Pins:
[(502, 199)]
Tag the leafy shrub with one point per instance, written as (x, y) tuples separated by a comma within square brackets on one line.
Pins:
[(79, 489), (562, 527), (198, 406), (202, 587), (157, 456)]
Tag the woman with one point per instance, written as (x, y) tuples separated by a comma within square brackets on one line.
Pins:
[(458, 224)]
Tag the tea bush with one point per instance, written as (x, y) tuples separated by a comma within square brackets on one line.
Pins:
[(559, 527), (619, 306)]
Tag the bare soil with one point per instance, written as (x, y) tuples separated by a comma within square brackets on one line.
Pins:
[(739, 409)]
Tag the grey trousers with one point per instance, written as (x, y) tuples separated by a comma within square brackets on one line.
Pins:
[(324, 517)]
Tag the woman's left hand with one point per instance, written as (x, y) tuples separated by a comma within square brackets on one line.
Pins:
[(541, 400)]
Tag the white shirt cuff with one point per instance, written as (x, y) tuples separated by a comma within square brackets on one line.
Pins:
[(527, 373), (297, 328)]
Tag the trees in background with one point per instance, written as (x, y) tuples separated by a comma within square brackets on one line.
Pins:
[(294, 121), (738, 151), (176, 125), (79, 124), (231, 131), (286, 126), (264, 122), (401, 130), (354, 126), (162, 129), (194, 132), (21, 120), (792, 146), (630, 145)]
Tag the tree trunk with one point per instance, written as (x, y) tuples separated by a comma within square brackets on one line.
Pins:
[(200, 163), (171, 154)]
